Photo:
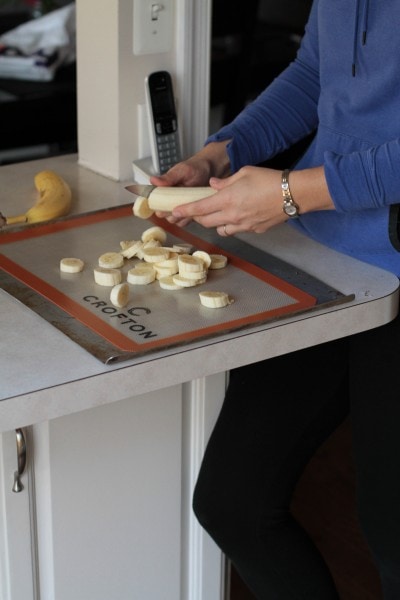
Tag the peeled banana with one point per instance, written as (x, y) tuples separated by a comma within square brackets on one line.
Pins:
[(166, 198), (54, 200)]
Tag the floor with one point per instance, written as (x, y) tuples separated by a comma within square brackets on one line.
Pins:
[(325, 504)]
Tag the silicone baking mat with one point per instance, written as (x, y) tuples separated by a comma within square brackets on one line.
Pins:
[(154, 318)]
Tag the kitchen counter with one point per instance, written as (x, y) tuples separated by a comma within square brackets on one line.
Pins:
[(44, 374)]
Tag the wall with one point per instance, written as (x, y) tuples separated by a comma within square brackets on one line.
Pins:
[(111, 84)]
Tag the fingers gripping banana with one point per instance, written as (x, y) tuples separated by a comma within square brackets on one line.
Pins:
[(54, 200)]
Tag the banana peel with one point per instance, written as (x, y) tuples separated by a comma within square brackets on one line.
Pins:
[(54, 200)]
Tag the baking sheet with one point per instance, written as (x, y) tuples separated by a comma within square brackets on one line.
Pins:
[(154, 318)]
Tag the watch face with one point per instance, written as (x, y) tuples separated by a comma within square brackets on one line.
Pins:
[(290, 210)]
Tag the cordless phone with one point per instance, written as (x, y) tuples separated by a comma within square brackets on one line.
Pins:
[(163, 121)]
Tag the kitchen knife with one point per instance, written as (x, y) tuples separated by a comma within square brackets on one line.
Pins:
[(166, 198)]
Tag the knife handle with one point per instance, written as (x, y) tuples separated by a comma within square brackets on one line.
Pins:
[(166, 198)]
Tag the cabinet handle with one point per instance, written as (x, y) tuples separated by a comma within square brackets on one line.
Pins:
[(21, 460)]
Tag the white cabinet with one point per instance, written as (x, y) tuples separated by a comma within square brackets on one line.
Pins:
[(17, 528), (106, 506)]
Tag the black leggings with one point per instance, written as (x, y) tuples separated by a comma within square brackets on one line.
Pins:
[(275, 415)]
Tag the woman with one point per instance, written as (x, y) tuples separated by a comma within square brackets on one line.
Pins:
[(345, 193)]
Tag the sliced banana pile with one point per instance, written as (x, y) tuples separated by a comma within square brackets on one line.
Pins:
[(175, 268)]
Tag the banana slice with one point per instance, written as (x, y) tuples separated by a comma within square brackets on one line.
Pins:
[(107, 277), (149, 244), (111, 260), (187, 262), (184, 282), (119, 295), (71, 265), (132, 249), (182, 248), (218, 261), (167, 283), (155, 255), (141, 275), (153, 244), (204, 256), (214, 299), (164, 271), (126, 243), (154, 233), (194, 275), (141, 208), (170, 262)]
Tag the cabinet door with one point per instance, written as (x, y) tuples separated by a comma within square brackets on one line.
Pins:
[(108, 513), (17, 525), (108, 501)]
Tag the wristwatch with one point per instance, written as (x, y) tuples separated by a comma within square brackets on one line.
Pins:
[(290, 208)]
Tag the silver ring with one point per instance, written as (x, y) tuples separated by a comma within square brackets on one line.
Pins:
[(225, 231)]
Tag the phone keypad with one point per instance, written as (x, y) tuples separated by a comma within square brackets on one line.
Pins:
[(168, 151)]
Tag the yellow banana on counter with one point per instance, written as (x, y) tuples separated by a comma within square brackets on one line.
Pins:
[(54, 200)]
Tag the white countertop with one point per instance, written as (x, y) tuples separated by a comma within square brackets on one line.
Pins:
[(44, 374)]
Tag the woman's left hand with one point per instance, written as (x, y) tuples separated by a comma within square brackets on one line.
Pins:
[(249, 200)]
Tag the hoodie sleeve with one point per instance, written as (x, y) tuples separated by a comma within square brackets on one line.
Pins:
[(364, 179), (283, 114)]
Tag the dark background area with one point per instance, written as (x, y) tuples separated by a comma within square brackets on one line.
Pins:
[(252, 42), (37, 119)]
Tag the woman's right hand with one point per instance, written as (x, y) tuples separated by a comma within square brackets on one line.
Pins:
[(196, 171)]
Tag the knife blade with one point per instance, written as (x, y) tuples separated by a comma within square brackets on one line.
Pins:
[(164, 198), (140, 189)]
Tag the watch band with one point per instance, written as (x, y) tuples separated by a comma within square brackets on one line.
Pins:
[(290, 208)]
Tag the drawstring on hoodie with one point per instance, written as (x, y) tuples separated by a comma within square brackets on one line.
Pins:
[(363, 33)]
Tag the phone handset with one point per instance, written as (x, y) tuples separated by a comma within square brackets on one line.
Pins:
[(163, 121)]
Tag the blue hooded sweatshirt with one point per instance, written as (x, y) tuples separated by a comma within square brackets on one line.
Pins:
[(345, 83)]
